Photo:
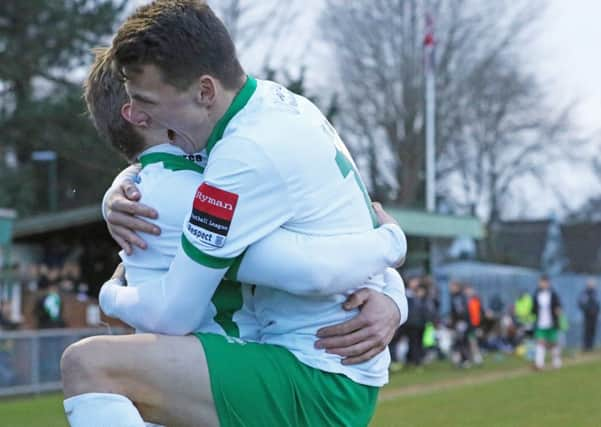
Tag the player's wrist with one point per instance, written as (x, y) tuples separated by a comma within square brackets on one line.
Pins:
[(399, 244), (107, 299)]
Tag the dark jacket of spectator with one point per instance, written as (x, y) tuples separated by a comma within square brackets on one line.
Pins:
[(459, 311), (589, 303), (419, 313)]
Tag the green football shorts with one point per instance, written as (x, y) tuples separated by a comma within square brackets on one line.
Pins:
[(548, 335), (264, 385)]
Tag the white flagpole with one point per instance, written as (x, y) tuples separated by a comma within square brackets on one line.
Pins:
[(430, 115)]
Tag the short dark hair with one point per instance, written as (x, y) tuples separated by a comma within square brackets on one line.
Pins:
[(183, 38), (105, 94)]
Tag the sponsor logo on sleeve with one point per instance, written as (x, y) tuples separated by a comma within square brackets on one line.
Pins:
[(212, 214)]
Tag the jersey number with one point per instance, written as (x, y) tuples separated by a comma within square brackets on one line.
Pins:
[(345, 165)]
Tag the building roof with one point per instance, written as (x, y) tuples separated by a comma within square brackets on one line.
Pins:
[(426, 224), (40, 224), (414, 223)]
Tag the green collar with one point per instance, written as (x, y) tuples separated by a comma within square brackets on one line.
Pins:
[(170, 161), (237, 104)]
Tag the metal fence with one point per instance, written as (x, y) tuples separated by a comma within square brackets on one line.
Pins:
[(30, 360)]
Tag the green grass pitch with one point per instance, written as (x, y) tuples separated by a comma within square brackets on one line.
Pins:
[(503, 393)]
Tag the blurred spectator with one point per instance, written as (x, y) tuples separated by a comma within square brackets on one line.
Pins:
[(5, 322), (460, 324), (416, 322), (589, 304), (70, 277), (547, 309), (497, 306), (432, 298), (32, 277), (49, 308), (476, 315), (43, 280), (401, 337), (82, 292), (430, 341), (523, 310)]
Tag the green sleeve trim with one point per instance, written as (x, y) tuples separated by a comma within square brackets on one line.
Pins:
[(171, 162), (204, 259), (228, 300), (232, 273)]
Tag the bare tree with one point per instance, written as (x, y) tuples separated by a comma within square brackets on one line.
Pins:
[(251, 23), (493, 124)]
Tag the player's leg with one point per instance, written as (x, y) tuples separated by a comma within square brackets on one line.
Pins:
[(539, 354), (258, 385), (165, 377), (555, 345)]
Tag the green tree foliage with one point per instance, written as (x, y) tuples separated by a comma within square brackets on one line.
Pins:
[(45, 47)]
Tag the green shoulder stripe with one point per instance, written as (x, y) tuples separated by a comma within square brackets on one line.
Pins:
[(201, 258), (171, 162), (238, 103)]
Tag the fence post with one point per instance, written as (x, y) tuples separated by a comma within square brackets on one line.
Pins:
[(35, 364)]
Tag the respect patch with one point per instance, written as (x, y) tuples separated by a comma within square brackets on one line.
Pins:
[(212, 213)]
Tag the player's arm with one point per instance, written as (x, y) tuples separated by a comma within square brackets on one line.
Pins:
[(240, 202), (395, 290), (123, 212), (321, 265), (367, 334), (325, 265)]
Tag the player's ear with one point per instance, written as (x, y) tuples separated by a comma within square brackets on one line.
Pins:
[(206, 91), (135, 118)]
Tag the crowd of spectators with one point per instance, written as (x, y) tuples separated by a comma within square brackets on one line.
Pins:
[(469, 327), (48, 282)]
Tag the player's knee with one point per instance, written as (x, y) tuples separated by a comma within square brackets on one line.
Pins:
[(82, 367)]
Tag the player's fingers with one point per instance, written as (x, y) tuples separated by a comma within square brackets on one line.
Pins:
[(356, 299), (383, 216), (125, 206), (342, 328), (362, 357), (129, 236), (388, 338), (122, 244), (344, 341), (130, 190), (118, 219), (351, 345)]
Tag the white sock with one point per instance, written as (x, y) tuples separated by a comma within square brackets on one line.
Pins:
[(102, 410), (556, 352), (539, 358)]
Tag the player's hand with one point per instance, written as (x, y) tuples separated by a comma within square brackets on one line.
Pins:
[(367, 334), (383, 216), (123, 210)]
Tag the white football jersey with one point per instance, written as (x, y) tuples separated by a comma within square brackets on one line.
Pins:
[(274, 162), (279, 163)]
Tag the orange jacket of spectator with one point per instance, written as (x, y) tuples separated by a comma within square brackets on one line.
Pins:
[(474, 307)]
